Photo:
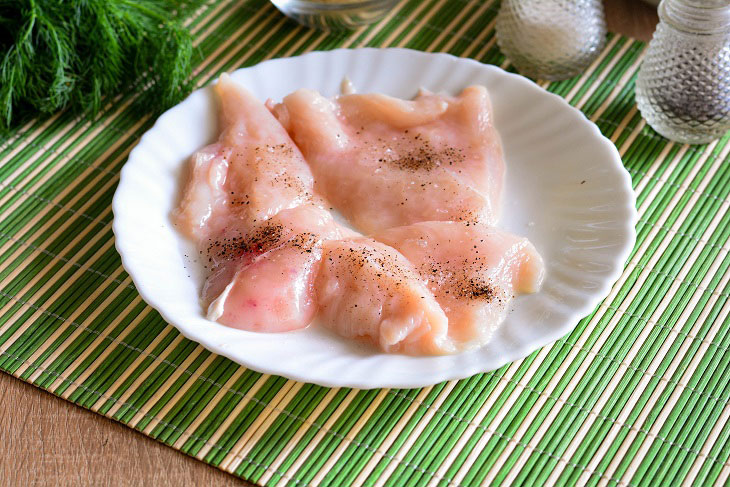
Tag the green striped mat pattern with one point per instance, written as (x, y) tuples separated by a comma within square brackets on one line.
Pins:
[(636, 395)]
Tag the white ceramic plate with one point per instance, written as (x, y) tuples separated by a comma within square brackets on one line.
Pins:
[(566, 190)]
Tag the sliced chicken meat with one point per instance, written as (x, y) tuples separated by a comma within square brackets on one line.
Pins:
[(204, 201), (370, 292), (254, 170), (248, 203), (263, 279), (424, 177), (473, 271), (386, 162)]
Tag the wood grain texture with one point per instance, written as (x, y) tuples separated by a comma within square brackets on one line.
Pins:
[(48, 441), (45, 440), (633, 18)]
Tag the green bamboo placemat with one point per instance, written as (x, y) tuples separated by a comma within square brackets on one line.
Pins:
[(636, 395)]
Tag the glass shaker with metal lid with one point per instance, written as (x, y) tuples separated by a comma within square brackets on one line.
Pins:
[(683, 88)]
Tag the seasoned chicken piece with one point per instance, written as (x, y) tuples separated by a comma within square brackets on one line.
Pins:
[(253, 172), (263, 279), (249, 205), (386, 162), (369, 291), (205, 193), (472, 270), (277, 258)]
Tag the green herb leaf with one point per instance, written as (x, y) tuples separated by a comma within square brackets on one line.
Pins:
[(57, 54)]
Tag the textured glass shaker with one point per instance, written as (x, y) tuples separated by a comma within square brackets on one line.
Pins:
[(683, 88), (551, 39)]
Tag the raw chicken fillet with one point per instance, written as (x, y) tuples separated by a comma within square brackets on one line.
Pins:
[(385, 162), (251, 173), (473, 271), (422, 178), (249, 205), (369, 291), (263, 280)]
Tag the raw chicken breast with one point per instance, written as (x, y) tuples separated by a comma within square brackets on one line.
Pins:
[(369, 291), (249, 205), (263, 280), (205, 192), (387, 162), (424, 177), (252, 173), (472, 270)]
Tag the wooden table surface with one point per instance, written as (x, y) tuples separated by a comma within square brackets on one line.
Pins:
[(48, 441)]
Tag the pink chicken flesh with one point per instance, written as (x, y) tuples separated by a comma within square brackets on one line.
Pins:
[(369, 291), (473, 271), (253, 172), (263, 280), (386, 162), (424, 177), (248, 204)]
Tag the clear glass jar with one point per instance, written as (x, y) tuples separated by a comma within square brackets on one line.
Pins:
[(551, 39), (683, 88), (335, 14)]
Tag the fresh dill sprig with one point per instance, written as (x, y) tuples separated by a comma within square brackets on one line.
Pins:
[(56, 54)]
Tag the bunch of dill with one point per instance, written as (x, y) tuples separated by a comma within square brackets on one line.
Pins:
[(56, 54)]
